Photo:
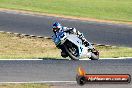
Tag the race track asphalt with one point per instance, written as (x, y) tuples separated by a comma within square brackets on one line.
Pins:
[(63, 70), (101, 33)]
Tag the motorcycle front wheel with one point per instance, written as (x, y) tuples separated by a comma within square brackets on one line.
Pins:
[(72, 51)]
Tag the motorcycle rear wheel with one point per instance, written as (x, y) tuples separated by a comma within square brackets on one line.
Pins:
[(94, 57)]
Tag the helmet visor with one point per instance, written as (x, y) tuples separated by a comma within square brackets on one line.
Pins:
[(56, 29)]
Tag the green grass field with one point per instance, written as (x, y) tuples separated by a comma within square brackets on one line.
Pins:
[(118, 10), (12, 46)]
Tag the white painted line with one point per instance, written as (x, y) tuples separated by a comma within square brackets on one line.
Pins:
[(125, 57), (20, 59), (9, 32), (117, 58), (17, 33), (40, 36), (84, 59), (41, 82), (32, 35), (2, 31), (109, 58), (47, 38), (107, 45), (62, 59)]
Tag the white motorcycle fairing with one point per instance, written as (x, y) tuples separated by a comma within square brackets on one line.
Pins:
[(73, 46), (83, 51)]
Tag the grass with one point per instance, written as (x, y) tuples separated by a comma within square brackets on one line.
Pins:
[(12, 46), (114, 52), (24, 86), (119, 10)]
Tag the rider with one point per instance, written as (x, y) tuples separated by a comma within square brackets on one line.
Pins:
[(57, 28)]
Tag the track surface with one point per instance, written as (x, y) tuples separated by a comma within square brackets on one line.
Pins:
[(62, 70), (104, 33)]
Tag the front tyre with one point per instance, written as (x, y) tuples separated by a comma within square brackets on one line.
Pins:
[(71, 50)]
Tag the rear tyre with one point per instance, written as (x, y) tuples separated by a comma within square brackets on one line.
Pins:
[(94, 57)]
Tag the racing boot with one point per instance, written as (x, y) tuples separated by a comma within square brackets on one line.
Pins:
[(85, 42), (63, 54)]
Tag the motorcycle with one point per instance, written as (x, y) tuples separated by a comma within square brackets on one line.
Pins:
[(72, 46)]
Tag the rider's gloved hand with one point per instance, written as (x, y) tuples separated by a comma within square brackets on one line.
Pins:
[(72, 30)]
